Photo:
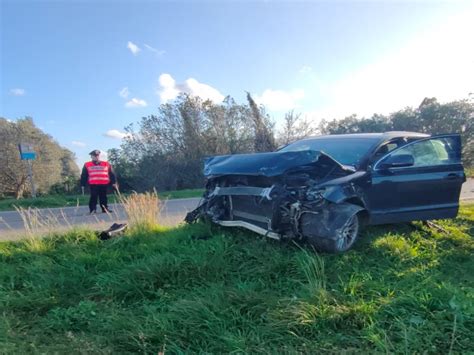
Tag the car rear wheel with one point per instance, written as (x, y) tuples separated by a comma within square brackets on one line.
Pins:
[(343, 240)]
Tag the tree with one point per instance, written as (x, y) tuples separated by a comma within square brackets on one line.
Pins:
[(53, 165), (295, 127), (166, 150), (429, 117), (169, 147), (352, 124), (264, 137)]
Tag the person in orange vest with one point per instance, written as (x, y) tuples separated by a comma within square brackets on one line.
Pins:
[(98, 175)]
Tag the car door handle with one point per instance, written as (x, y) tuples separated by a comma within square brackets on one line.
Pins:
[(451, 177)]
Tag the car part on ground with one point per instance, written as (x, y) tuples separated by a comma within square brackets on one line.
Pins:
[(114, 230)]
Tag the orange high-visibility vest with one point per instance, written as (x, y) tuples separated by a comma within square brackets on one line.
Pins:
[(98, 173)]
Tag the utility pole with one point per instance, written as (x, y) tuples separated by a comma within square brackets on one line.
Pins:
[(32, 181), (27, 153)]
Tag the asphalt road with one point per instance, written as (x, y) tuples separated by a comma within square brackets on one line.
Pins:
[(172, 213), (467, 192), (12, 224)]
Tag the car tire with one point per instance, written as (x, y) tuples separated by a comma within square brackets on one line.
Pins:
[(342, 242)]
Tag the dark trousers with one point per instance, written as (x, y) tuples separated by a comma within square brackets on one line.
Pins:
[(99, 191)]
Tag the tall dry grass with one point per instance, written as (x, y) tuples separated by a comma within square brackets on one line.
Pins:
[(142, 210), (35, 220), (38, 223)]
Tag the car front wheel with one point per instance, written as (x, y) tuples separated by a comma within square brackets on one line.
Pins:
[(343, 239)]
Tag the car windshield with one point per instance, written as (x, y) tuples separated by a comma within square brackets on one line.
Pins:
[(347, 151)]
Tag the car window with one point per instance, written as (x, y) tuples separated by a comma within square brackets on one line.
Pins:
[(387, 148), (391, 146), (436, 151)]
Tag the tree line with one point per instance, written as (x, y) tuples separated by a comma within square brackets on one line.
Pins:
[(166, 150), (54, 170), (430, 117)]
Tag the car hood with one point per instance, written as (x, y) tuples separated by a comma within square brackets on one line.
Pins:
[(268, 164)]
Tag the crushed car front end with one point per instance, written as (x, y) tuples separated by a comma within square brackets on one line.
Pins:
[(300, 195)]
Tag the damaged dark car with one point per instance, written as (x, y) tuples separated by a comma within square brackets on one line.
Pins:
[(324, 189)]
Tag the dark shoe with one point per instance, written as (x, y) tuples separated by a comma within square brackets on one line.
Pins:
[(107, 211), (92, 212)]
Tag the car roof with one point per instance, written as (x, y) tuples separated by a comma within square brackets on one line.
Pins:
[(379, 136)]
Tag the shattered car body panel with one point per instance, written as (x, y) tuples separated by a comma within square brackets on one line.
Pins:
[(309, 195)]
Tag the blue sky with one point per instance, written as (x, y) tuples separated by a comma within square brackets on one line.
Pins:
[(86, 69)]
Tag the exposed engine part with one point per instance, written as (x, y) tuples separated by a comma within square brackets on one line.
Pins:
[(316, 218), (315, 194)]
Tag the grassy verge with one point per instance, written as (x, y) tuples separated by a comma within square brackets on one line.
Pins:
[(203, 289), (74, 200), (469, 172), (43, 202), (181, 193)]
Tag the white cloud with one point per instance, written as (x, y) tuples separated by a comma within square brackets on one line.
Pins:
[(116, 134), (279, 100), (158, 52), (305, 69), (17, 92), (169, 89), (438, 63), (124, 92), (134, 102), (204, 91), (78, 144), (133, 48)]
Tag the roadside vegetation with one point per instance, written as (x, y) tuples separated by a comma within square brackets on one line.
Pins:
[(200, 288), (54, 169), (171, 143), (187, 193), (469, 172), (51, 201)]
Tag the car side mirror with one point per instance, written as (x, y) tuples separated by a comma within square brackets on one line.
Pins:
[(397, 161)]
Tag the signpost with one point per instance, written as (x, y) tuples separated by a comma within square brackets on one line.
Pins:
[(27, 153)]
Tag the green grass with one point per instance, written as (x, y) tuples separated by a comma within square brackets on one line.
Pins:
[(181, 193), (44, 202), (469, 172), (74, 200), (204, 289)]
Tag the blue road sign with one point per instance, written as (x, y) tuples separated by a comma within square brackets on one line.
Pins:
[(26, 151), (28, 156)]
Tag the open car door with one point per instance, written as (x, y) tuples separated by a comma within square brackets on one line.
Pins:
[(419, 181)]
